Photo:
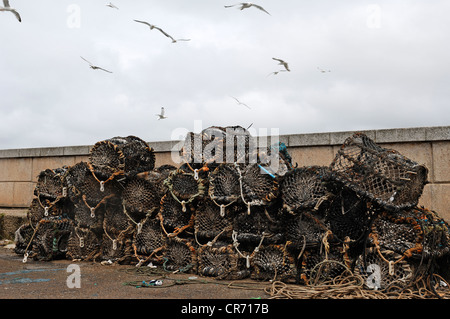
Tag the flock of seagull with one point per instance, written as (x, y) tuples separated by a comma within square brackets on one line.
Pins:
[(241, 6)]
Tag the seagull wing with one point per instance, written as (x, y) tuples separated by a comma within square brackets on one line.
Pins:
[(144, 22), (6, 3), (233, 5), (260, 8), (104, 69), (86, 60), (17, 15)]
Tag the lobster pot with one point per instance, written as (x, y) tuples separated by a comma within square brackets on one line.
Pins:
[(348, 218), (84, 184), (304, 188), (262, 225), (84, 244), (23, 238), (156, 177), (179, 255), (148, 239), (384, 269), (218, 260), (139, 156), (273, 262), (88, 217), (173, 219), (306, 230), (140, 197), (317, 265), (224, 185), (51, 238), (192, 150), (117, 235), (417, 233), (107, 159), (51, 184), (384, 176), (211, 220), (259, 187), (42, 208), (185, 187)]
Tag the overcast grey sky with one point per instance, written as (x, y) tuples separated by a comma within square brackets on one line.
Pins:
[(389, 63)]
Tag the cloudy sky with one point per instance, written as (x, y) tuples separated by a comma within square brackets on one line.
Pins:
[(388, 63)]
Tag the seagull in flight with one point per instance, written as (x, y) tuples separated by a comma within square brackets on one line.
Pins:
[(322, 70), (283, 63), (152, 26), (161, 115), (94, 67), (245, 5), (7, 7), (112, 6), (276, 72), (240, 103)]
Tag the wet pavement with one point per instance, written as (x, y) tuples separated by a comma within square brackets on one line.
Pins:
[(65, 279)]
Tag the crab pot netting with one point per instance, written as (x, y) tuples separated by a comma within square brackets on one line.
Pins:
[(88, 217), (384, 269), (273, 262), (218, 260), (106, 159), (40, 208), (416, 233), (83, 184), (23, 237), (50, 184), (184, 187), (156, 177), (148, 239), (382, 175), (179, 255), (224, 184), (140, 196), (320, 264), (348, 216), (304, 188), (139, 157), (84, 244), (172, 216), (258, 187), (51, 238), (264, 223), (210, 221)]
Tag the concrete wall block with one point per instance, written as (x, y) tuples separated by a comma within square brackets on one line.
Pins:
[(6, 194), (440, 194), (15, 169), (23, 194), (315, 155), (401, 135), (441, 161), (439, 133)]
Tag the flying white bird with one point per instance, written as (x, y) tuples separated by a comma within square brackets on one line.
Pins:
[(276, 72), (161, 115), (152, 26), (112, 6), (240, 103), (7, 7), (322, 70), (283, 63), (245, 5), (94, 67)]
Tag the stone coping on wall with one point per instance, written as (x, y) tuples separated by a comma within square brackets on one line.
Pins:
[(398, 135)]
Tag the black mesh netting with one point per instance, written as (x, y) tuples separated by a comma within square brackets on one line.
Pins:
[(383, 175), (242, 218)]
